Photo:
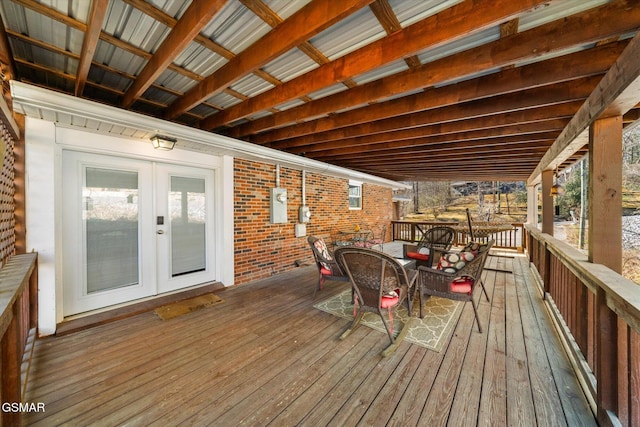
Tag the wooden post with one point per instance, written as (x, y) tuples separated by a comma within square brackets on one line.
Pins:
[(547, 202), (605, 193), (10, 384), (605, 247)]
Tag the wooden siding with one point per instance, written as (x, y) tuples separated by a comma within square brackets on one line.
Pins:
[(266, 356)]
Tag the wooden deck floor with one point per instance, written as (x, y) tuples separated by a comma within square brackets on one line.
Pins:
[(266, 357)]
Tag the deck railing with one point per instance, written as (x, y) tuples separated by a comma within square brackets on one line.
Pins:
[(18, 323), (411, 231), (597, 312)]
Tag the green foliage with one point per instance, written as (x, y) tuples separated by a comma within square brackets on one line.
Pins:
[(570, 200)]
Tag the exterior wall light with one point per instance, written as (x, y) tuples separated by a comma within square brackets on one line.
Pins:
[(162, 142), (556, 189)]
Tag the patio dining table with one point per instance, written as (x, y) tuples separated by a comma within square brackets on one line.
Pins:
[(355, 237)]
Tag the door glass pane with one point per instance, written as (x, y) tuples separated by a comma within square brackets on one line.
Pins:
[(111, 225), (187, 210)]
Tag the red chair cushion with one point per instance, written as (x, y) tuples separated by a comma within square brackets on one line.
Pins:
[(388, 301), (325, 271), (418, 255), (462, 285)]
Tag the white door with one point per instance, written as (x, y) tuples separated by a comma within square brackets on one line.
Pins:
[(184, 226), (132, 229)]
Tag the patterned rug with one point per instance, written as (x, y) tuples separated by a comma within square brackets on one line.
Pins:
[(440, 316)]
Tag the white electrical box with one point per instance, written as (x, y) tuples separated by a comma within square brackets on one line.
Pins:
[(304, 214), (278, 208), (300, 230)]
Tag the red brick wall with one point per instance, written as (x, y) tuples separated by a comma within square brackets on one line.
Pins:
[(262, 248)]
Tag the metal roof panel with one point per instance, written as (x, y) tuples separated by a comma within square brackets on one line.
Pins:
[(353, 32), (290, 65), (235, 27)]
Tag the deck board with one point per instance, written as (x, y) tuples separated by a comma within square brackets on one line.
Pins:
[(265, 356)]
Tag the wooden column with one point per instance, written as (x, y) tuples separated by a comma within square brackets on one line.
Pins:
[(532, 205), (605, 193), (605, 247), (547, 202)]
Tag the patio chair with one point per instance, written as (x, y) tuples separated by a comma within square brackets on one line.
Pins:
[(457, 276), (380, 284), (378, 237), (328, 267), (433, 241)]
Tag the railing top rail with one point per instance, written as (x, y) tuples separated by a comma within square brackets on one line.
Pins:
[(623, 295), (404, 221), (14, 277)]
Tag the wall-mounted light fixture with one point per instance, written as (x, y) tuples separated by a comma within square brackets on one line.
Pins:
[(556, 189), (162, 142)]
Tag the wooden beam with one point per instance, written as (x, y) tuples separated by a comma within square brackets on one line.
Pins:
[(91, 37), (194, 19), (574, 30), (415, 138), (576, 65), (449, 24), (513, 102), (532, 149), (6, 55), (389, 21), (299, 28), (547, 202), (617, 93)]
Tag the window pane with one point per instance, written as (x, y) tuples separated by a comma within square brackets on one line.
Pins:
[(111, 227), (187, 209), (355, 196)]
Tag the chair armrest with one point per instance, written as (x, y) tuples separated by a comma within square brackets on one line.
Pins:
[(438, 280), (408, 247)]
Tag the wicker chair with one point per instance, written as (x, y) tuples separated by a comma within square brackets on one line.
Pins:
[(433, 241), (328, 267), (380, 284), (453, 283)]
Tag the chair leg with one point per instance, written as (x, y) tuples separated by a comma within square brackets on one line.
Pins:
[(395, 343), (319, 287), (475, 311), (353, 326), (420, 297), (485, 291)]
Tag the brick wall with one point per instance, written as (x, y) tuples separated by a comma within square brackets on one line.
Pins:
[(262, 248)]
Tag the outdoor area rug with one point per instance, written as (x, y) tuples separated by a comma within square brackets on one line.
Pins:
[(179, 308), (440, 316)]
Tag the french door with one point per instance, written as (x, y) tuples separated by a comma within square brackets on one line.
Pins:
[(132, 229)]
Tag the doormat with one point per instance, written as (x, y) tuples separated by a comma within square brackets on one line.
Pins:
[(440, 317), (179, 308)]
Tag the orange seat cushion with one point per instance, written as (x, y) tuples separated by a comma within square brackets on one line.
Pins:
[(325, 271), (418, 255)]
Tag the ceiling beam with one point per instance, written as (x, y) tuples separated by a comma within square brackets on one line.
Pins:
[(303, 25), (579, 64), (573, 90), (452, 23), (366, 147), (194, 19), (617, 93), (91, 37), (421, 150)]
